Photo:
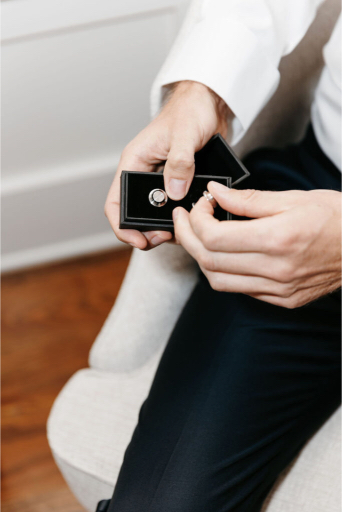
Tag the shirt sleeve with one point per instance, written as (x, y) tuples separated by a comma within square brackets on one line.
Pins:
[(234, 47)]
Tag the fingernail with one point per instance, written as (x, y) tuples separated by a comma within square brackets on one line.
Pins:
[(175, 213), (130, 243), (218, 186), (177, 188), (157, 240)]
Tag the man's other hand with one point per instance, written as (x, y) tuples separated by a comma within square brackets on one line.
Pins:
[(288, 254)]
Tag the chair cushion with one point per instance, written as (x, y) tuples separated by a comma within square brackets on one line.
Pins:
[(156, 287), (93, 419)]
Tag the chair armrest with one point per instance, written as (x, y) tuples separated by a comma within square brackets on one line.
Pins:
[(156, 286)]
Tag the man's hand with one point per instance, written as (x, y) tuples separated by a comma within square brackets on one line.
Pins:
[(288, 254), (189, 119)]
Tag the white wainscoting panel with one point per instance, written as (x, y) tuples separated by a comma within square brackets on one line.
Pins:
[(76, 77)]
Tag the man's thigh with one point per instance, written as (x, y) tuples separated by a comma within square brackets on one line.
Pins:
[(240, 387), (301, 166)]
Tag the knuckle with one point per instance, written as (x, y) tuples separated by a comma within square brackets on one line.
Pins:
[(193, 217), (290, 303), (134, 149), (281, 241), (127, 149), (119, 236), (209, 239), (107, 209), (206, 260), (249, 196), (286, 290), (216, 282), (277, 243), (181, 162), (285, 273)]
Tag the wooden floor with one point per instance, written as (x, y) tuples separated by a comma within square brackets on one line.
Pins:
[(50, 317)]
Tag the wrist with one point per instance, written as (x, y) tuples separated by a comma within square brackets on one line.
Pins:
[(187, 88)]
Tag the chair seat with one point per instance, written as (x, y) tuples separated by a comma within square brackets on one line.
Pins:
[(93, 419)]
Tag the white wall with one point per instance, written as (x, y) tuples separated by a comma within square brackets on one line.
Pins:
[(76, 76)]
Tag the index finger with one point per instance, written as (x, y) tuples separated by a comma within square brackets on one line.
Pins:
[(229, 235), (112, 208)]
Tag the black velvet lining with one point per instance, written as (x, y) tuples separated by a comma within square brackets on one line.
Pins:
[(138, 185)]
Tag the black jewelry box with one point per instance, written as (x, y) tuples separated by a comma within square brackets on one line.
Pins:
[(218, 159), (139, 210)]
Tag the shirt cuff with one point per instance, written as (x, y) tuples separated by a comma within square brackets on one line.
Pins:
[(227, 57)]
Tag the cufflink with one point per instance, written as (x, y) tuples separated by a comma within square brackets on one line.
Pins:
[(157, 197)]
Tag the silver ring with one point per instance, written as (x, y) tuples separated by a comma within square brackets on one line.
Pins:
[(157, 197), (209, 197)]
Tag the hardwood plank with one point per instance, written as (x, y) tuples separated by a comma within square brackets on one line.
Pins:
[(50, 318)]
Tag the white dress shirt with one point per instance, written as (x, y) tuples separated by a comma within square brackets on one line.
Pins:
[(235, 47)]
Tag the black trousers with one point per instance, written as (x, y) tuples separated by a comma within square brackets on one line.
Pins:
[(242, 384)]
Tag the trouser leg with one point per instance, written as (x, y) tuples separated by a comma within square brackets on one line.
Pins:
[(240, 388)]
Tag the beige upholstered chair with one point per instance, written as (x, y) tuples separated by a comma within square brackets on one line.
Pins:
[(93, 417)]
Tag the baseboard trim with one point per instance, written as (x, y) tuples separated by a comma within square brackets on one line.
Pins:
[(60, 251)]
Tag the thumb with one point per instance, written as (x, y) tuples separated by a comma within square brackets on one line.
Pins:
[(251, 203), (179, 169)]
